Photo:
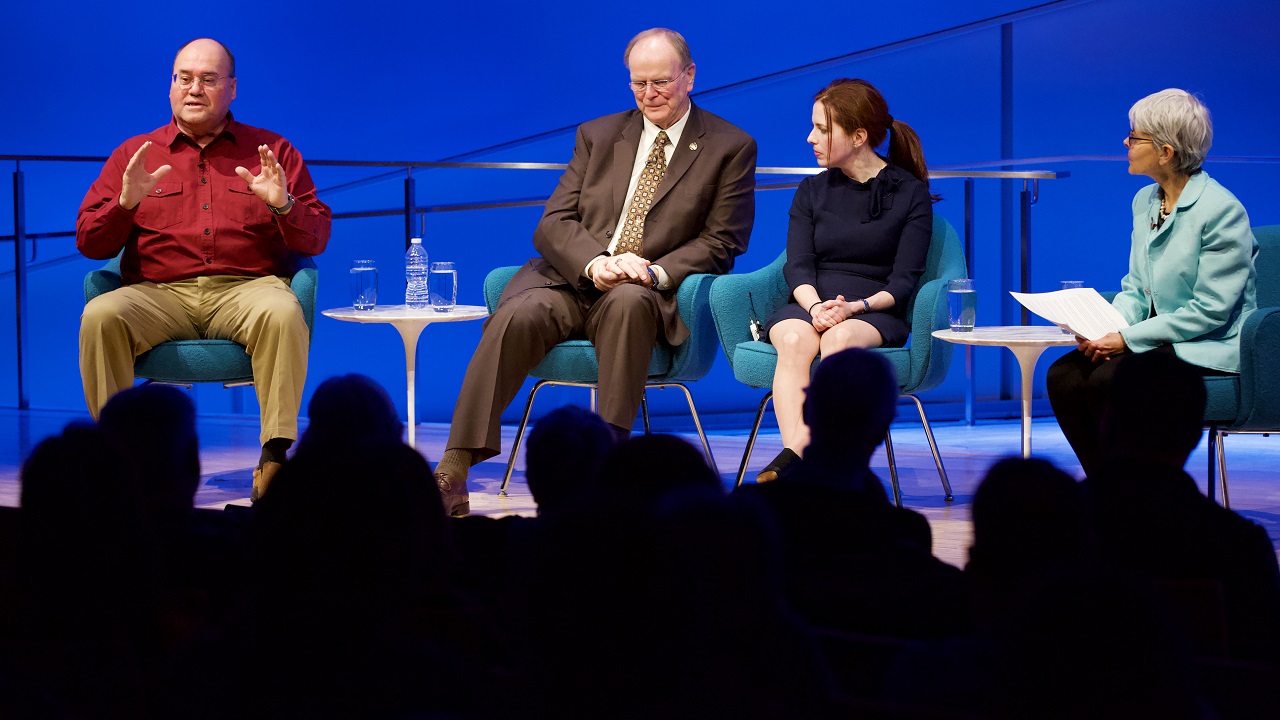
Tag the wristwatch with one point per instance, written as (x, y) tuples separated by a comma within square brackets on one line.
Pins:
[(284, 209)]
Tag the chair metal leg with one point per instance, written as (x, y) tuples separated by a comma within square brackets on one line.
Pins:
[(1212, 460), (644, 409), (893, 468), (751, 439), (933, 447), (1222, 468), (697, 423), (515, 446)]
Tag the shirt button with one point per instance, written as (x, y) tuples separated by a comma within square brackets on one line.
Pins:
[(204, 181), (206, 206), (206, 231)]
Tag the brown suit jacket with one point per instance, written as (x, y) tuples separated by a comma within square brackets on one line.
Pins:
[(700, 220)]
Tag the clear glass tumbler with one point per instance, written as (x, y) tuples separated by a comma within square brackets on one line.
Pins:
[(364, 284), (442, 286), (962, 305)]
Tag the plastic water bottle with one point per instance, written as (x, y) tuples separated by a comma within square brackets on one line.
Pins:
[(415, 276)]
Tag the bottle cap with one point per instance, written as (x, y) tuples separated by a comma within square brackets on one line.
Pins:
[(415, 241)]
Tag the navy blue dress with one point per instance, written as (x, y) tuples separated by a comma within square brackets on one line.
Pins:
[(856, 239)]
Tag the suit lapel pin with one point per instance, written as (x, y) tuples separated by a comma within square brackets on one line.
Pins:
[(693, 146)]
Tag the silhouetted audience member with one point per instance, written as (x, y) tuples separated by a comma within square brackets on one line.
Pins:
[(1056, 636), (853, 561), (669, 609), (350, 410), (1152, 518), (355, 615), (645, 469), (563, 456), (202, 555), (1029, 522), (80, 630), (156, 425)]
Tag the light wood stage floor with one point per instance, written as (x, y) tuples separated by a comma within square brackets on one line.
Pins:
[(229, 450)]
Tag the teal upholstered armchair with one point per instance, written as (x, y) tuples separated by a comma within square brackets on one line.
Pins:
[(573, 362), (1250, 402), (183, 362), (920, 366)]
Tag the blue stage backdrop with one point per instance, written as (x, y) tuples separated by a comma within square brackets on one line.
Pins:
[(507, 81)]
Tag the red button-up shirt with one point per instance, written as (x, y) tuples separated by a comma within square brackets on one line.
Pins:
[(201, 218)]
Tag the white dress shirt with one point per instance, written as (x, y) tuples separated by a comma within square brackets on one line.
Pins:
[(647, 137)]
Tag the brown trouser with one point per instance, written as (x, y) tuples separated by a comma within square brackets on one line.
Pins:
[(623, 324), (260, 313)]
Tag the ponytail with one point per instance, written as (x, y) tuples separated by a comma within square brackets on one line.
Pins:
[(905, 150)]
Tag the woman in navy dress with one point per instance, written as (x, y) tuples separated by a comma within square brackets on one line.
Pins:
[(856, 246)]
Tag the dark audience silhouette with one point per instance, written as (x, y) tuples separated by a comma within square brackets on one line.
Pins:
[(348, 410), (82, 635), (641, 589), (1152, 519), (855, 562), (1057, 635), (563, 455)]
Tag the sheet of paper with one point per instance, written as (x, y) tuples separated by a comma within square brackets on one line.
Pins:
[(1081, 310)]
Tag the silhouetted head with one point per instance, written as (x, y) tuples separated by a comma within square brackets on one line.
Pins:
[(650, 467), (563, 455), (1027, 515), (82, 513), (1155, 412), (849, 404), (156, 425), (347, 410), (351, 530)]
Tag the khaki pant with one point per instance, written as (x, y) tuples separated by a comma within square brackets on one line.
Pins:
[(261, 313)]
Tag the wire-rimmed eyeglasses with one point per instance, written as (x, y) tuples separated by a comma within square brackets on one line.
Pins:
[(640, 87), (209, 80)]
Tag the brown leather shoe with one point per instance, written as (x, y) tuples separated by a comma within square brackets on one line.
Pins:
[(453, 491), (262, 476)]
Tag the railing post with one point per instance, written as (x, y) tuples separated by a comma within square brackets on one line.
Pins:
[(969, 380), (1027, 197), (20, 281), (410, 201)]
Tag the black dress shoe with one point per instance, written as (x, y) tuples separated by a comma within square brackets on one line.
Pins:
[(777, 465), (453, 491)]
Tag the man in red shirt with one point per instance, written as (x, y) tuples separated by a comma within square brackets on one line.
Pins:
[(212, 216)]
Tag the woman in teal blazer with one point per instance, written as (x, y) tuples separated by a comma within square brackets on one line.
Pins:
[(1191, 278)]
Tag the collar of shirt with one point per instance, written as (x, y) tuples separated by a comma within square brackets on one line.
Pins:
[(170, 133), (650, 134)]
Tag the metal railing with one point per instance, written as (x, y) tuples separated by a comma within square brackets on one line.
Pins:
[(414, 213)]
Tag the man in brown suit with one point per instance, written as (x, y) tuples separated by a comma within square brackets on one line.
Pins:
[(651, 196)]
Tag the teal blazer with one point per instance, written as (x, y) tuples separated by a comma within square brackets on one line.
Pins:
[(1197, 272)]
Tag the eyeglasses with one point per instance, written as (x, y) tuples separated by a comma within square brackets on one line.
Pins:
[(1135, 139), (640, 87), (208, 80)]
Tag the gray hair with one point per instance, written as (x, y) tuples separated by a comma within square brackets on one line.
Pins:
[(1178, 119), (673, 38)]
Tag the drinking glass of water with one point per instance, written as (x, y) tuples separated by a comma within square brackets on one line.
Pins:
[(962, 305), (442, 286), (1069, 285), (364, 284)]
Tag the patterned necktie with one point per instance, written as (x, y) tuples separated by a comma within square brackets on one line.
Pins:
[(655, 166)]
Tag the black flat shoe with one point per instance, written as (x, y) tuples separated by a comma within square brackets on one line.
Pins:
[(777, 465)]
